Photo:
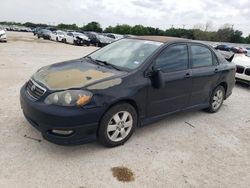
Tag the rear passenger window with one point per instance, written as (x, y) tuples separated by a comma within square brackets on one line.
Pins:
[(201, 56), (174, 58)]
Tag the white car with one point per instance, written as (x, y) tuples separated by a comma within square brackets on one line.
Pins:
[(58, 36), (242, 68), (3, 36), (77, 39), (248, 52)]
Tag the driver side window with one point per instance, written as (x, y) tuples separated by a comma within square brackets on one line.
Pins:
[(174, 58)]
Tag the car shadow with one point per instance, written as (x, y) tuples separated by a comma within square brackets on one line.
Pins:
[(242, 85), (181, 118)]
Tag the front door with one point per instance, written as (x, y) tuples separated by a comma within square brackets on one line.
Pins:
[(174, 63)]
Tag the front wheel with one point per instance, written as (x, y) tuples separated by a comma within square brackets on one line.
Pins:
[(216, 99), (117, 125)]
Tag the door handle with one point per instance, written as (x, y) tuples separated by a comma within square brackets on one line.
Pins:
[(216, 70), (187, 75)]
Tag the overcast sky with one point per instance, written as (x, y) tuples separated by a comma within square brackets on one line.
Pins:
[(155, 13)]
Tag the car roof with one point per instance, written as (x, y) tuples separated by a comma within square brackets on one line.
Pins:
[(163, 39)]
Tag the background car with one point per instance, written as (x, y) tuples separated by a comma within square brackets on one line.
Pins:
[(242, 68), (77, 39), (223, 47), (104, 40), (58, 36), (248, 52), (238, 50), (44, 33), (3, 37), (114, 36), (98, 39), (35, 30)]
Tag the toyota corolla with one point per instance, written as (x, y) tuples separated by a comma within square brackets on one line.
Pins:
[(127, 84)]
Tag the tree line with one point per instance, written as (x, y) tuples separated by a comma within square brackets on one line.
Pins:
[(225, 34)]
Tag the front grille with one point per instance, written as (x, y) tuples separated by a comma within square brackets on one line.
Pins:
[(35, 90), (240, 69), (247, 71)]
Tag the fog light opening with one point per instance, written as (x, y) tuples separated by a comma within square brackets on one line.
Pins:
[(62, 132)]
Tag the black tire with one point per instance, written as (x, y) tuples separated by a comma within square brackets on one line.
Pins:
[(212, 108), (57, 39), (102, 133)]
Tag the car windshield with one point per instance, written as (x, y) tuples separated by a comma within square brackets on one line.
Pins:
[(126, 53)]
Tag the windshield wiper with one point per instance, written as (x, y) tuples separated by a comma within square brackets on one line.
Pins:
[(93, 60), (100, 62), (108, 64)]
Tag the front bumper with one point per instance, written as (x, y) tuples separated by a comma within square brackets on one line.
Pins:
[(243, 77), (82, 121)]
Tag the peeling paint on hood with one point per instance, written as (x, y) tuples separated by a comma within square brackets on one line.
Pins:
[(73, 74)]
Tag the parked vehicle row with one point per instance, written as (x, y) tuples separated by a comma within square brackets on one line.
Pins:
[(16, 28), (77, 38), (239, 50)]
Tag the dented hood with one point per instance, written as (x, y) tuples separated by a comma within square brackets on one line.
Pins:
[(73, 74)]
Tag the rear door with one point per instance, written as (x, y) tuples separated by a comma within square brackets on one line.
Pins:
[(174, 63), (204, 73)]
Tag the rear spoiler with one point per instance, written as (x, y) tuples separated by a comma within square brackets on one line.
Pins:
[(227, 55), (230, 59)]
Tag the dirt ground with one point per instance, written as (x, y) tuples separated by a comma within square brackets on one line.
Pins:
[(191, 149)]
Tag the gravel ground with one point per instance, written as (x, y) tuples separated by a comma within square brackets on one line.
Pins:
[(191, 149)]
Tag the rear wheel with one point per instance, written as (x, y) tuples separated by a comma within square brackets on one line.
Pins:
[(117, 125), (216, 99)]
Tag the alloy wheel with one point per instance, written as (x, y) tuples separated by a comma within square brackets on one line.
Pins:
[(217, 99), (119, 126)]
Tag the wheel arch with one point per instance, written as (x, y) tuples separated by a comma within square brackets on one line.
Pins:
[(129, 101), (224, 85)]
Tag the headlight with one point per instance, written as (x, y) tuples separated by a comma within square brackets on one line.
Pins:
[(69, 98)]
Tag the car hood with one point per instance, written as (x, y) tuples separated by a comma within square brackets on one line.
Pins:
[(242, 60), (75, 74)]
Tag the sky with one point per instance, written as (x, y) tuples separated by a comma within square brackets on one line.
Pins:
[(156, 13)]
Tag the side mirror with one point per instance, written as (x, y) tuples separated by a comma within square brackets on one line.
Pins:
[(158, 79)]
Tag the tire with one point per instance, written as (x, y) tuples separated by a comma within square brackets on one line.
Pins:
[(216, 99), (57, 39), (113, 129)]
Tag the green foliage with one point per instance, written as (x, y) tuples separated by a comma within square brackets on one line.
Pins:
[(62, 26), (247, 39), (92, 26)]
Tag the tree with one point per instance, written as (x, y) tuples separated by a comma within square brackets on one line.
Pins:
[(237, 37), (225, 34), (92, 26), (247, 40), (209, 26), (62, 26)]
